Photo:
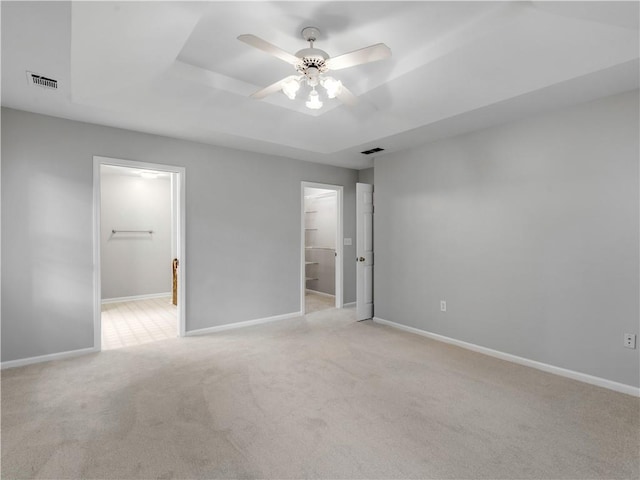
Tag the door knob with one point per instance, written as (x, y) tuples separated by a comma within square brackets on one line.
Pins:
[(361, 259)]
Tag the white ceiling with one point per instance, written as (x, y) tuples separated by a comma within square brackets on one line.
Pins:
[(176, 68)]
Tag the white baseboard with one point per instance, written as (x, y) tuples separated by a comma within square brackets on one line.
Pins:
[(248, 323), (46, 358), (349, 305), (322, 294), (136, 297), (563, 372)]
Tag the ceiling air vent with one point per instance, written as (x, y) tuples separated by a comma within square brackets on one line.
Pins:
[(373, 150), (41, 81)]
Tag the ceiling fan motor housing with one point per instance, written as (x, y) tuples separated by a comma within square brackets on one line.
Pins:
[(312, 58)]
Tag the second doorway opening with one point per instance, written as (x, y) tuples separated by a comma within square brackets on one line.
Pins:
[(320, 248)]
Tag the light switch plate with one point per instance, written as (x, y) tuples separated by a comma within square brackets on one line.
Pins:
[(347, 241)]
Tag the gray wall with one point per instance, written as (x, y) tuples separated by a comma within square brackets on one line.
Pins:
[(529, 231), (366, 175), (134, 264), (243, 229)]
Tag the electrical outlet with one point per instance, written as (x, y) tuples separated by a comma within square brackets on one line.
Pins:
[(630, 340), (443, 305)]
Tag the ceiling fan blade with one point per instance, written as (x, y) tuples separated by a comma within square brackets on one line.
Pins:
[(274, 87), (269, 48), (373, 53), (346, 97)]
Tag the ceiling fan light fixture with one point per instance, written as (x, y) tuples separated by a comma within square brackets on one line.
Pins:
[(291, 87), (314, 102), (332, 86)]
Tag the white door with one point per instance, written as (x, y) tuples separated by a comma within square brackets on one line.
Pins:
[(364, 251)]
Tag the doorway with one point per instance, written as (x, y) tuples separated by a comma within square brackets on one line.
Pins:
[(138, 252), (321, 257)]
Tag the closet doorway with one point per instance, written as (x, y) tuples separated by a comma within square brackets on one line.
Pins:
[(138, 244), (321, 258)]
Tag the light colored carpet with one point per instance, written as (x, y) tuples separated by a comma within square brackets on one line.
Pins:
[(319, 396)]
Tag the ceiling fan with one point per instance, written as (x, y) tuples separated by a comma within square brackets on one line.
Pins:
[(312, 64)]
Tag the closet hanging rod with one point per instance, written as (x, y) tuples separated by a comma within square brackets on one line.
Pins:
[(132, 231)]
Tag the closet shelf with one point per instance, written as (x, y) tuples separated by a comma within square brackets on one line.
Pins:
[(311, 211), (311, 263), (311, 229), (319, 248), (310, 278)]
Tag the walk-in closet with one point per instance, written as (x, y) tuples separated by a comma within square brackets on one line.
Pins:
[(320, 211)]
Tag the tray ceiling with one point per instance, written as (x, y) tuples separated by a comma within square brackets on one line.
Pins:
[(176, 68)]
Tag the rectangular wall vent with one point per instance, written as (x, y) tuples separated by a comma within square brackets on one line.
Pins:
[(41, 81), (373, 150)]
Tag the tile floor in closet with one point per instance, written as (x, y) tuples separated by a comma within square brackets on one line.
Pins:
[(135, 322)]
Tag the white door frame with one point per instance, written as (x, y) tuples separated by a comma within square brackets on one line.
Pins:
[(339, 262), (181, 243)]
